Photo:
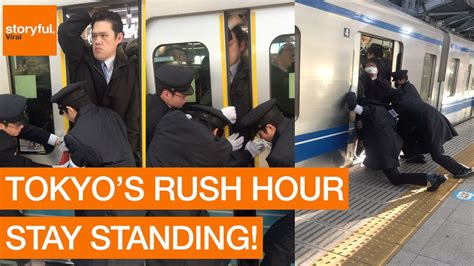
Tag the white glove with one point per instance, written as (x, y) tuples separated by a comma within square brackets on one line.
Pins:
[(230, 113), (236, 141), (255, 147)]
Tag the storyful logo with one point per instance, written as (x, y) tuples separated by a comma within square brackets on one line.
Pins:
[(29, 30)]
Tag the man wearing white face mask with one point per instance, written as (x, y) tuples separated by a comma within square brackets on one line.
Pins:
[(373, 85)]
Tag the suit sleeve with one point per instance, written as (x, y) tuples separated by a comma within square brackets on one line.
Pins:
[(132, 117), (35, 134), (69, 37)]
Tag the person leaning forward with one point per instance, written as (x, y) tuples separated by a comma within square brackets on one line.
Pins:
[(13, 125), (111, 78), (272, 126), (98, 139), (173, 85), (182, 141)]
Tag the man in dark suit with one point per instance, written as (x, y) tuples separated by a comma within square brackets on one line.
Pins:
[(111, 78)]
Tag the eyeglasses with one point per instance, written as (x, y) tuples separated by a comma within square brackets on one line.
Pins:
[(180, 95)]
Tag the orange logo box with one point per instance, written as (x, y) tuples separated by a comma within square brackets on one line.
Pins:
[(29, 30)]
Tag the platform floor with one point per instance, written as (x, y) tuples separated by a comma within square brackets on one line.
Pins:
[(397, 225)]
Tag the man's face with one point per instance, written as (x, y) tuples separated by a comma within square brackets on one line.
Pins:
[(174, 100), (268, 133), (235, 49), (399, 82), (104, 41), (287, 56), (12, 129)]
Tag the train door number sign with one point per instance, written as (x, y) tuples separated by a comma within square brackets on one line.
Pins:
[(463, 195), (347, 32)]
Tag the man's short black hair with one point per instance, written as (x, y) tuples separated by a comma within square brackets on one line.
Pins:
[(239, 34), (112, 17)]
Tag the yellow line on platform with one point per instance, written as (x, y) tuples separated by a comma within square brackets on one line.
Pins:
[(383, 235)]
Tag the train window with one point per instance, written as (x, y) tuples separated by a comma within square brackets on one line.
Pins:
[(429, 65), (468, 76), (31, 78), (382, 51), (194, 55), (282, 73), (453, 76)]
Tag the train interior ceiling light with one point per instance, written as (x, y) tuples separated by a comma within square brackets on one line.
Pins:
[(456, 16)]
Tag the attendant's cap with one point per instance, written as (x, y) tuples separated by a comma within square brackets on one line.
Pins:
[(211, 115), (400, 74), (262, 115), (73, 95), (175, 79), (12, 109)]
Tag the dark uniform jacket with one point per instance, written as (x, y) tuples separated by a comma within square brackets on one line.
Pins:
[(432, 128), (9, 147), (121, 94), (409, 89), (9, 158), (98, 139), (282, 153), (405, 128), (240, 96), (382, 143), (180, 142), (156, 108)]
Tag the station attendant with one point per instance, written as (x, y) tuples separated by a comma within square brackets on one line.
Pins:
[(173, 86), (13, 126), (98, 139), (271, 125), (195, 140), (99, 136), (431, 130), (383, 144), (406, 130)]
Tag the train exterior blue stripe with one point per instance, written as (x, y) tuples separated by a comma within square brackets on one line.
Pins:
[(316, 143), (375, 22), (365, 19), (313, 144), (457, 106)]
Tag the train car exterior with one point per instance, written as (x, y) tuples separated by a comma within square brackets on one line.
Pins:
[(324, 131)]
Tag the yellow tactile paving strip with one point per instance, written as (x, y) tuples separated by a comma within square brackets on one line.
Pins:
[(382, 236)]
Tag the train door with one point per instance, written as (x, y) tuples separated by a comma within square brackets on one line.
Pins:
[(268, 55)]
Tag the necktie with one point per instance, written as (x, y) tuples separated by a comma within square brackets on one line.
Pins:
[(106, 72)]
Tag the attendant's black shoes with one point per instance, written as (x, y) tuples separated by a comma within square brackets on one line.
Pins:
[(464, 173), (440, 179), (420, 159)]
